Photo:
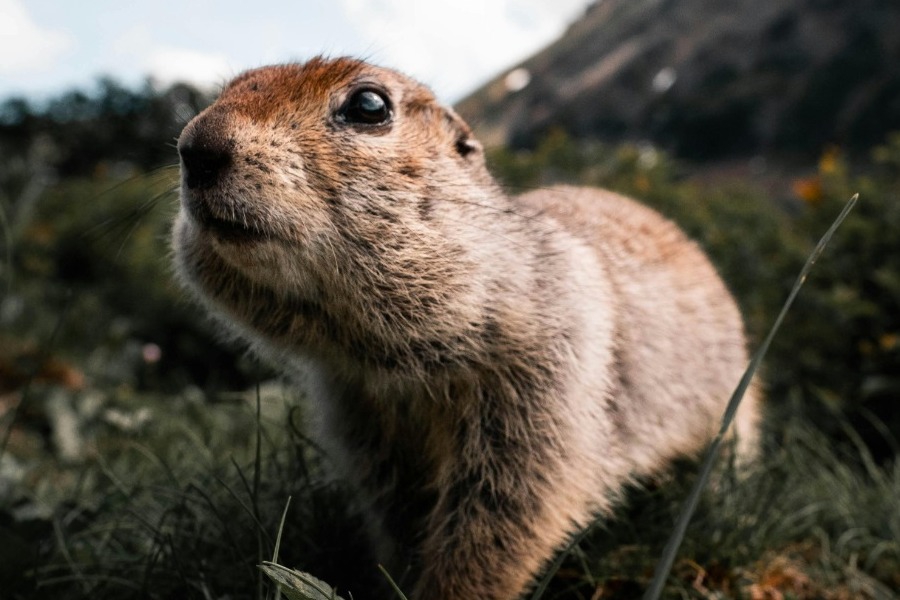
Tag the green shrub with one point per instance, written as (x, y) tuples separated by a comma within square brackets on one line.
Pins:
[(838, 355), (179, 504), (96, 254)]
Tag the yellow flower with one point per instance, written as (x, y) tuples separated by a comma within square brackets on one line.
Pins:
[(808, 189), (830, 162)]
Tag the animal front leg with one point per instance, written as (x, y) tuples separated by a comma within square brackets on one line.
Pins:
[(489, 541)]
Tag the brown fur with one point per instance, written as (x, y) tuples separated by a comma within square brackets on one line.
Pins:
[(487, 370)]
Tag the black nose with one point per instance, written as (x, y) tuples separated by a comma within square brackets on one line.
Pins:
[(206, 153)]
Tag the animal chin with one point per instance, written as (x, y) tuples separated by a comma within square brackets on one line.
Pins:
[(223, 228), (229, 231)]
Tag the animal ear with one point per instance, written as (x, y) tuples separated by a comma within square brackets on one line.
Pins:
[(464, 142)]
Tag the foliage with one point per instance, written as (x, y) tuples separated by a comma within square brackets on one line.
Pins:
[(131, 472), (190, 504), (109, 128), (98, 251), (188, 511), (297, 585), (805, 525), (839, 354)]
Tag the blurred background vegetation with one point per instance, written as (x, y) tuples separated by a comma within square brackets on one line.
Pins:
[(838, 358), (136, 462)]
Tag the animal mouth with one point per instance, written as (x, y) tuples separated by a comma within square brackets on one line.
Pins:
[(230, 230), (233, 228)]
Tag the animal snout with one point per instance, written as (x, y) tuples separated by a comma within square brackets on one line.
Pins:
[(206, 153)]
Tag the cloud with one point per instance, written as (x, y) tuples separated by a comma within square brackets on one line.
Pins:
[(168, 65), (26, 47), (453, 45)]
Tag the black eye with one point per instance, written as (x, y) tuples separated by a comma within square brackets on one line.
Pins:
[(366, 107)]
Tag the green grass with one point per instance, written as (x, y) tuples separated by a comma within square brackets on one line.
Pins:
[(180, 485), (181, 513)]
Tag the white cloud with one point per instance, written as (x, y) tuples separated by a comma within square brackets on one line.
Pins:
[(455, 45), (168, 65), (137, 51), (24, 45)]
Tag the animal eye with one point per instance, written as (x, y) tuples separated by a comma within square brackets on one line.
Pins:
[(366, 107)]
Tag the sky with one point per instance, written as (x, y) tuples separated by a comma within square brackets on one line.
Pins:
[(49, 46)]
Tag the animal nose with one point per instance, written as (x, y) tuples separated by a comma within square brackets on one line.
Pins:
[(205, 154)]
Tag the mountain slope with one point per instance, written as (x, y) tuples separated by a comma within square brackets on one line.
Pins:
[(707, 78)]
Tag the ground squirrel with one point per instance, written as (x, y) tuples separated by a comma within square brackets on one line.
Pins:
[(487, 370)]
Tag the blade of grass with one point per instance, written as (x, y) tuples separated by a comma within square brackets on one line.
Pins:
[(298, 585), (664, 566), (278, 543), (247, 509), (557, 563), (77, 574), (393, 584), (257, 468)]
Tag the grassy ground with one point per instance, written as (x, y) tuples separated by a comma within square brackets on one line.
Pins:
[(139, 463), (187, 504)]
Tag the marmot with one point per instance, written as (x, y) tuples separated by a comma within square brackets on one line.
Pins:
[(487, 370)]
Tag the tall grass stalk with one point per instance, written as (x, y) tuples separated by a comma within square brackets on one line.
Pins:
[(278, 543), (664, 566)]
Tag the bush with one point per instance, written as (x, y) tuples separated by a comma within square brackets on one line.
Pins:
[(170, 497), (838, 354), (95, 254)]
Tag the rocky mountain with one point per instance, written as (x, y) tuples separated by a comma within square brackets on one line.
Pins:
[(707, 79)]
